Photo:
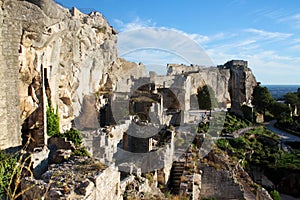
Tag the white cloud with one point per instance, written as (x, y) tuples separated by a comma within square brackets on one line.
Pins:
[(268, 35), (137, 23), (269, 59), (140, 24), (293, 20)]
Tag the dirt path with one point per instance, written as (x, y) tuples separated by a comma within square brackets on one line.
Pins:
[(284, 136)]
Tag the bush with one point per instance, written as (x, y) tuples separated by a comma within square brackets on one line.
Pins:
[(13, 167), (203, 127), (233, 123), (275, 195), (222, 143), (80, 152), (7, 165), (52, 122), (73, 135)]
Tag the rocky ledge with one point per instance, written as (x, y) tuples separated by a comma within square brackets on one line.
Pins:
[(77, 178)]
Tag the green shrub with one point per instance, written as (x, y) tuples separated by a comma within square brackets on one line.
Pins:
[(275, 195), (7, 165), (73, 135), (52, 122), (100, 29), (13, 167), (203, 127), (222, 143), (81, 152)]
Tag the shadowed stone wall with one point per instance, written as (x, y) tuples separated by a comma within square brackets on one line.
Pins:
[(10, 125)]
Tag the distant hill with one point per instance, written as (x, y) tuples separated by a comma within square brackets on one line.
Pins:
[(278, 91)]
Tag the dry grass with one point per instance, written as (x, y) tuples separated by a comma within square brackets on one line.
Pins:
[(20, 170)]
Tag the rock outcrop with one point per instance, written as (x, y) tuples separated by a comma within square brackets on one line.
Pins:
[(232, 82), (78, 178), (52, 55)]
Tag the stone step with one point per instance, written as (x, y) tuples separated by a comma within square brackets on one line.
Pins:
[(176, 175), (178, 169)]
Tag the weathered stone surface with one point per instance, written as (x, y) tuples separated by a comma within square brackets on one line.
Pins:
[(78, 178), (262, 194), (9, 95), (60, 149), (232, 82), (51, 54)]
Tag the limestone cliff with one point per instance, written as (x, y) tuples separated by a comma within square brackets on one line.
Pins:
[(232, 82), (51, 54)]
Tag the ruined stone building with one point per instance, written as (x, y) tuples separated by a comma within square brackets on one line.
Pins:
[(64, 59)]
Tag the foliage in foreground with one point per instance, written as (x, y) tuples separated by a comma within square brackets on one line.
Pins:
[(13, 167), (7, 165)]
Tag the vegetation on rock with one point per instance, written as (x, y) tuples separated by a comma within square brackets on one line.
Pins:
[(73, 135), (80, 152), (275, 195), (52, 122), (234, 123)]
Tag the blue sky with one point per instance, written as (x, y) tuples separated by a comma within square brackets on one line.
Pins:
[(265, 33)]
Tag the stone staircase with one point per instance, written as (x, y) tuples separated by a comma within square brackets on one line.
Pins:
[(176, 174)]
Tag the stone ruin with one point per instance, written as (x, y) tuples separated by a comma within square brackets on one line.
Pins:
[(67, 59)]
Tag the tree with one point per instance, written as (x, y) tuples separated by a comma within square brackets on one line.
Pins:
[(262, 98), (206, 98), (292, 99), (277, 108)]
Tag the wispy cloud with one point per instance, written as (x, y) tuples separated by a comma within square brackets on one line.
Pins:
[(293, 20), (268, 58), (270, 13), (137, 23), (268, 34)]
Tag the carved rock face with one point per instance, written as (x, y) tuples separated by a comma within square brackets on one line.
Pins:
[(232, 83)]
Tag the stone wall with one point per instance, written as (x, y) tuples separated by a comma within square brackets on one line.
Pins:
[(10, 125), (52, 54), (79, 178), (200, 76), (232, 82), (219, 184), (102, 143)]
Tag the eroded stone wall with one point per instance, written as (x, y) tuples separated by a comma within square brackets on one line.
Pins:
[(232, 82), (52, 54), (10, 33), (219, 184)]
